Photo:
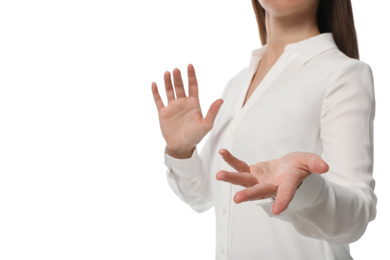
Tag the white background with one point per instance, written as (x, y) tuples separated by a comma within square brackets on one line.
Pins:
[(81, 154)]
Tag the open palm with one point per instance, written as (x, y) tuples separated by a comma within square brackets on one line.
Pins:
[(182, 123), (277, 178)]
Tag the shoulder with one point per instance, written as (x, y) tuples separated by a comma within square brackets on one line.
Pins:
[(343, 71), (234, 84), (350, 82), (342, 65)]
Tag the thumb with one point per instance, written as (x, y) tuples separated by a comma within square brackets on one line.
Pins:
[(317, 165), (212, 113)]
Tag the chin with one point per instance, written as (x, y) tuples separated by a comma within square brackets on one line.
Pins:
[(288, 8)]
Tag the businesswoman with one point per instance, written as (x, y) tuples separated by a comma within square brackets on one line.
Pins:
[(288, 162)]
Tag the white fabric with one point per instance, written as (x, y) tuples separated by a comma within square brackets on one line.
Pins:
[(314, 99)]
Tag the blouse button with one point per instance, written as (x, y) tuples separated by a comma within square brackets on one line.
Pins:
[(224, 211)]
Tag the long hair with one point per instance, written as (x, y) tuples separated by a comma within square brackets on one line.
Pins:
[(333, 16)]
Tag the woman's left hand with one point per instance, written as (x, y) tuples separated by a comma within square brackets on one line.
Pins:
[(277, 178)]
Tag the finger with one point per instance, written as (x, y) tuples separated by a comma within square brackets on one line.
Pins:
[(168, 87), (192, 82), (212, 113), (236, 163), (259, 191), (317, 165), (313, 163), (156, 96), (284, 196), (243, 178), (178, 82)]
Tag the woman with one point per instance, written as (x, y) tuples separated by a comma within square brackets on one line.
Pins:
[(300, 120)]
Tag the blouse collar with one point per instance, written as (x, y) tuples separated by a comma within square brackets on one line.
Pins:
[(305, 50)]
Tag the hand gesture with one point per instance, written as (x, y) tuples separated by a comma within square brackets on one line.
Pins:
[(277, 178), (181, 121)]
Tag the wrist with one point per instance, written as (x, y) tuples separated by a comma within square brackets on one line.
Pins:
[(180, 154)]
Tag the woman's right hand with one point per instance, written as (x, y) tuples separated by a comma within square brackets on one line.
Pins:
[(181, 121)]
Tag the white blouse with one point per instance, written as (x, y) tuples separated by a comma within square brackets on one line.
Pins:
[(314, 99)]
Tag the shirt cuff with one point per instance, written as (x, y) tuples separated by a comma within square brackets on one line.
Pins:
[(185, 168), (305, 195)]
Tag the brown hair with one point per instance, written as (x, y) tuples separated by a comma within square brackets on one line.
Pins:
[(333, 16)]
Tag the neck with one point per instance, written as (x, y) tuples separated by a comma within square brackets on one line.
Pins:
[(283, 31)]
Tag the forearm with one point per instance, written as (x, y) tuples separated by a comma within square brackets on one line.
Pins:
[(190, 181), (325, 210)]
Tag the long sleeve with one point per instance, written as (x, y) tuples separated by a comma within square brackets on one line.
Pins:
[(190, 181), (338, 205), (190, 178)]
